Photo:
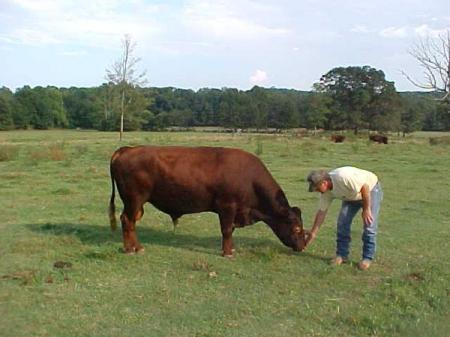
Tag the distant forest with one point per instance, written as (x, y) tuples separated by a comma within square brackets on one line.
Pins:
[(365, 102)]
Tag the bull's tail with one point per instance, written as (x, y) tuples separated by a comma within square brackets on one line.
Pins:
[(112, 206)]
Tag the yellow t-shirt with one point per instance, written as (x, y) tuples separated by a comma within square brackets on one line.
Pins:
[(347, 184)]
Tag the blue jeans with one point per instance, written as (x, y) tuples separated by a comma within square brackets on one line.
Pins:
[(344, 222)]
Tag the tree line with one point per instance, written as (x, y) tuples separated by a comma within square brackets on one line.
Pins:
[(344, 98)]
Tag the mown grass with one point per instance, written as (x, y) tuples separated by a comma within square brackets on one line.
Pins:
[(54, 192)]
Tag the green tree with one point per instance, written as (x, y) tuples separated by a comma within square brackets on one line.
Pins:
[(49, 108), (384, 113), (317, 109), (247, 110), (6, 106), (123, 74), (282, 111), (83, 107), (260, 99), (413, 114), (358, 94), (206, 106), (229, 109), (443, 115), (137, 107), (108, 114), (24, 107), (40, 108)]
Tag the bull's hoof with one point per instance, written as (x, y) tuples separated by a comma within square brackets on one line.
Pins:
[(140, 250), (128, 250), (228, 255), (133, 250)]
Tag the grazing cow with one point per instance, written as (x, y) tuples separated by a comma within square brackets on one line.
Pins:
[(337, 138), (182, 180), (379, 139)]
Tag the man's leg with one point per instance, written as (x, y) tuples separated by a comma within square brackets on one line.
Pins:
[(344, 222), (369, 236)]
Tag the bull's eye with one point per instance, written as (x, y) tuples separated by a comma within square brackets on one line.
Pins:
[(297, 229)]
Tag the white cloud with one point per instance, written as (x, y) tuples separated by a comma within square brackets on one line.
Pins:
[(234, 28), (97, 23), (73, 53), (222, 19), (360, 29), (394, 32), (424, 31), (259, 77), (42, 5), (33, 37)]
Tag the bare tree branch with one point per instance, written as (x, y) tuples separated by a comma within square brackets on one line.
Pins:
[(433, 55)]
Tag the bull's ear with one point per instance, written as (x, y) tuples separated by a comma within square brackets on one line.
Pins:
[(297, 211)]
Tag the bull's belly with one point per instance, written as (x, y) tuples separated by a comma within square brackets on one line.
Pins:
[(182, 202), (179, 209)]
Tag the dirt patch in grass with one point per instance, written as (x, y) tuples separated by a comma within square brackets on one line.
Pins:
[(25, 276), (415, 277)]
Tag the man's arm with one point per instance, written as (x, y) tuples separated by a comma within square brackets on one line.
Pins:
[(318, 221), (366, 212)]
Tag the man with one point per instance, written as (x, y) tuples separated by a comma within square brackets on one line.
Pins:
[(357, 189)]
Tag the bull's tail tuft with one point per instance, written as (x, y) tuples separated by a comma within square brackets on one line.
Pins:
[(112, 207), (174, 221)]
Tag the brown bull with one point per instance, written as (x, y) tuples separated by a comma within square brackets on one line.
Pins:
[(182, 180), (337, 138), (380, 139)]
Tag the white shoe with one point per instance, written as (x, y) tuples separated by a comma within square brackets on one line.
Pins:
[(364, 264), (338, 260)]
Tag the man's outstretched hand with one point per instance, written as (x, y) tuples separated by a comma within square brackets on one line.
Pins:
[(310, 236)]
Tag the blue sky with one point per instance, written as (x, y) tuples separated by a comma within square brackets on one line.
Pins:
[(205, 43)]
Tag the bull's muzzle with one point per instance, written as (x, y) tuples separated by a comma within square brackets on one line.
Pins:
[(300, 239)]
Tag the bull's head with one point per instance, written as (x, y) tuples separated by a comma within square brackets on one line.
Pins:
[(290, 230)]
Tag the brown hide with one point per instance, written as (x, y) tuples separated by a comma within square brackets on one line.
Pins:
[(181, 180), (337, 138), (379, 139)]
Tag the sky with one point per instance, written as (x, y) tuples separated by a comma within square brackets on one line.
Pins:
[(195, 44)]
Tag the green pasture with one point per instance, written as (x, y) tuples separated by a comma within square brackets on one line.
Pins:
[(54, 194)]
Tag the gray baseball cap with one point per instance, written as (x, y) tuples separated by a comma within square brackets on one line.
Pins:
[(315, 177)]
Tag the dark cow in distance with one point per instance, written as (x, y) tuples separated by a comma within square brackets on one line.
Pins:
[(337, 138), (379, 139), (182, 180)]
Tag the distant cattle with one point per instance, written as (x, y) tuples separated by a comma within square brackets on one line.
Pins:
[(337, 138), (379, 139), (182, 180)]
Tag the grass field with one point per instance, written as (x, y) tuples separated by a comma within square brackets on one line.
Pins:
[(54, 193)]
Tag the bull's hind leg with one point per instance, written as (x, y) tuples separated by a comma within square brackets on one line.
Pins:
[(226, 217), (129, 217)]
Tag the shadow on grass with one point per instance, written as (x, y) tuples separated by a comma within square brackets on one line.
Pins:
[(98, 235)]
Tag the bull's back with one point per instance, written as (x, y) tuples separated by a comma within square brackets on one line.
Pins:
[(202, 164), (180, 180)]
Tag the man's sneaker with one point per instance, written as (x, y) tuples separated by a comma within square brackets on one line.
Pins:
[(338, 260), (364, 264)]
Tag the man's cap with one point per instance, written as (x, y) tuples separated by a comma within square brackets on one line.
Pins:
[(316, 177)]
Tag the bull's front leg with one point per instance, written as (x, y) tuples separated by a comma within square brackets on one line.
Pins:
[(226, 217)]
